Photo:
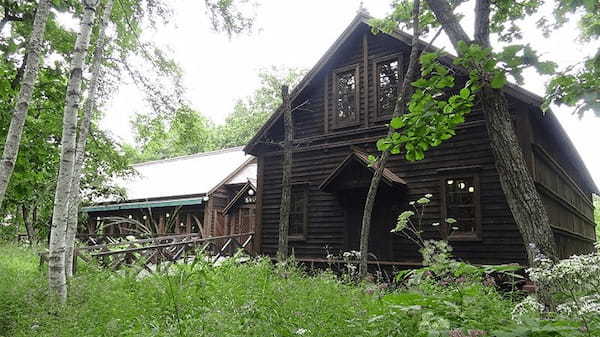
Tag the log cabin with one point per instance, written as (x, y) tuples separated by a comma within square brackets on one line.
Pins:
[(211, 194), (340, 109)]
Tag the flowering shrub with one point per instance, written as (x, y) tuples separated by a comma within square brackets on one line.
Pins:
[(574, 284)]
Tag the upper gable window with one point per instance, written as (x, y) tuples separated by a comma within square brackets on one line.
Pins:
[(388, 81), (346, 96)]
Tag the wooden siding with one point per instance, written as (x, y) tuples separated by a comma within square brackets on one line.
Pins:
[(320, 148)]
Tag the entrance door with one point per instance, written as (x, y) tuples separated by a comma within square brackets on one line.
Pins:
[(380, 238)]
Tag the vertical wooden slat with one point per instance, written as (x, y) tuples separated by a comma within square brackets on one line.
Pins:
[(188, 223), (326, 105), (258, 221), (161, 225), (365, 81)]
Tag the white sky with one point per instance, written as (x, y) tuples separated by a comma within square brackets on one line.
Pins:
[(292, 33)]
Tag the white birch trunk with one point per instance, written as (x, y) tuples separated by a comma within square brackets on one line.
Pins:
[(84, 127), (32, 64), (56, 257)]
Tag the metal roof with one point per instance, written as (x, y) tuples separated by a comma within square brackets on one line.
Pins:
[(171, 180), (144, 204), (193, 174)]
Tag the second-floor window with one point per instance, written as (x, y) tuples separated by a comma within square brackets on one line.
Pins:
[(346, 96), (387, 78)]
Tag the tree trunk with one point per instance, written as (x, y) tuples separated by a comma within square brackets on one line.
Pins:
[(399, 109), (84, 127), (56, 256), (286, 187), (516, 181), (32, 63), (28, 222)]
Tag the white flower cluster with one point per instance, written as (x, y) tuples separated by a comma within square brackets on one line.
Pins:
[(436, 252), (577, 277), (433, 323), (351, 254), (579, 272), (585, 306), (529, 307)]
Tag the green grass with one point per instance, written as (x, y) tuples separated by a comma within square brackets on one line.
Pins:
[(250, 299)]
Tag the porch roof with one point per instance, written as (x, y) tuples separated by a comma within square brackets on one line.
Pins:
[(388, 177)]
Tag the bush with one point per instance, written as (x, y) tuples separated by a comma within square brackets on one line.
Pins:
[(257, 298)]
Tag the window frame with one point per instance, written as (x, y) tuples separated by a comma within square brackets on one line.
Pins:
[(461, 236), (305, 186), (375, 66), (337, 124)]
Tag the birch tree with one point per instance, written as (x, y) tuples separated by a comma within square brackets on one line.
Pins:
[(56, 257), (15, 130), (84, 127)]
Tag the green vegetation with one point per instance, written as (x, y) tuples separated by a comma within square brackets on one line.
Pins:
[(258, 298), (186, 131), (597, 215)]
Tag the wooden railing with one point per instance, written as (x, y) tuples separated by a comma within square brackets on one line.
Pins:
[(155, 254)]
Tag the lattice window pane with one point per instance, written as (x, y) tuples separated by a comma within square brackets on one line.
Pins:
[(346, 96), (461, 203), (388, 82), (298, 210)]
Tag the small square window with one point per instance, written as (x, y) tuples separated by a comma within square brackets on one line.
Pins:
[(461, 203)]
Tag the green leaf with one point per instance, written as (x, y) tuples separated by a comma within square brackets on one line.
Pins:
[(397, 123), (499, 80), (465, 92), (420, 83)]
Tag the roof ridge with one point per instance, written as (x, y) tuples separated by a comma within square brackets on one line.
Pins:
[(199, 154)]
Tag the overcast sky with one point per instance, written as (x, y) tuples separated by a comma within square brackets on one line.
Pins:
[(218, 71)]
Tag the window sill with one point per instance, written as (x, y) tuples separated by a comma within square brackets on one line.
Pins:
[(343, 125), (297, 238), (465, 237)]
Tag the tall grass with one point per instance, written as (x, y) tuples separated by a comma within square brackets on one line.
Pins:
[(255, 298)]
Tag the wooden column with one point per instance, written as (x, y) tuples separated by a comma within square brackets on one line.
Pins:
[(188, 223), (161, 225)]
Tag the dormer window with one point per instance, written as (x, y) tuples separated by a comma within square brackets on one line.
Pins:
[(346, 96), (387, 84)]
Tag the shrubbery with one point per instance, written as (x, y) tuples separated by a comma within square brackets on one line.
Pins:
[(257, 298)]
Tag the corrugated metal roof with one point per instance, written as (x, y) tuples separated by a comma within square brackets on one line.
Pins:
[(193, 174), (143, 204)]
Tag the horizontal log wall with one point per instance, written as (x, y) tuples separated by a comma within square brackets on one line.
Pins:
[(320, 148)]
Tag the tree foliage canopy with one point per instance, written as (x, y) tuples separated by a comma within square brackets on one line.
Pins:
[(187, 131)]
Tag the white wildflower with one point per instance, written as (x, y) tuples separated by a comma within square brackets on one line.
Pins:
[(428, 195), (529, 307), (301, 331)]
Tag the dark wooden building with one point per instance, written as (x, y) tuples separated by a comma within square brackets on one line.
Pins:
[(344, 104), (210, 193)]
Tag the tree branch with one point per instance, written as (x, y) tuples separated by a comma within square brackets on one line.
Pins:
[(482, 23), (443, 13)]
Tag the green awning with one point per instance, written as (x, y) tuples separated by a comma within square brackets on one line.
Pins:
[(143, 204)]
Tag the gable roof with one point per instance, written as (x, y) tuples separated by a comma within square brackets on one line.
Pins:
[(188, 175), (248, 186), (362, 18), (362, 158)]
